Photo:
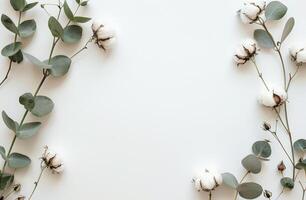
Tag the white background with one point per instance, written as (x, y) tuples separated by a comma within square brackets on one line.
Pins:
[(168, 101)]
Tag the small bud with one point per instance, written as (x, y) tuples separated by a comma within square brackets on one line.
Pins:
[(266, 126), (17, 187), (21, 198), (267, 194), (281, 167)]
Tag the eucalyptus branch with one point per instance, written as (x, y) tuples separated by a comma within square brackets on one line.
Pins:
[(291, 77), (259, 73), (242, 179), (37, 182), (83, 48), (303, 189)]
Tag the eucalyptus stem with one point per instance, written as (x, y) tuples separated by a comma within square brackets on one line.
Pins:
[(304, 190), (259, 74), (210, 196), (83, 48), (242, 179), (37, 182)]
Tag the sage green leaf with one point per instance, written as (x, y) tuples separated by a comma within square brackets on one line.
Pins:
[(28, 130), (263, 38), (29, 6), (230, 180), (84, 3), (68, 11), (80, 19), (9, 24), (27, 100), (9, 122), (60, 65), (35, 61), (72, 34), (18, 57), (2, 152), (18, 5), (55, 27), (301, 165), (252, 164), (27, 28), (288, 28), (78, 1), (11, 49), (262, 149), (43, 106), (300, 146), (249, 190), (275, 10), (287, 183), (17, 161), (6, 180)]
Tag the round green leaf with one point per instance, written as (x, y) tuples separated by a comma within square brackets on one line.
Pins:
[(263, 38), (252, 164), (35, 61), (230, 180), (27, 100), (72, 34), (249, 190), (18, 5), (301, 165), (288, 28), (80, 19), (29, 6), (275, 10), (9, 24), (11, 49), (18, 57), (27, 28), (287, 182), (28, 130), (43, 106), (11, 124), (60, 65), (55, 27), (2, 152), (300, 146), (262, 149), (17, 161), (6, 180)]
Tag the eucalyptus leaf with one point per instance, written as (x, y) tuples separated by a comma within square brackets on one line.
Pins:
[(287, 182), (252, 164), (80, 19), (27, 100), (2, 152), (11, 49), (9, 24), (72, 34), (230, 180), (301, 165), (249, 190), (27, 28), (263, 38), (9, 122), (18, 5), (55, 27), (17, 161), (84, 3), (68, 11), (275, 10), (18, 57), (262, 149), (60, 65), (35, 61), (288, 28), (6, 180), (78, 1), (29, 6), (28, 130), (43, 106), (300, 146)]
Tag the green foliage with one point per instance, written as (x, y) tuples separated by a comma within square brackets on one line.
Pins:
[(252, 164), (11, 49), (9, 122), (262, 149), (2, 152), (18, 5), (300, 146), (29, 6), (60, 65), (27, 28), (263, 38), (80, 19), (36, 62), (84, 3), (287, 183), (27, 100), (43, 106), (275, 10), (9, 24), (230, 180), (17, 160), (6, 180), (288, 28), (18, 57), (301, 165), (249, 190), (68, 11), (55, 27), (72, 34), (28, 130)]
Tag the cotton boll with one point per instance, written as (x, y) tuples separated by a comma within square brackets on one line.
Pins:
[(96, 26), (281, 93), (197, 184), (217, 176), (266, 99), (301, 56), (245, 51), (208, 181), (251, 10), (274, 97), (260, 3), (59, 169)]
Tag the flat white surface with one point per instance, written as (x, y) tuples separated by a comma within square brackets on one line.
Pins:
[(166, 103)]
